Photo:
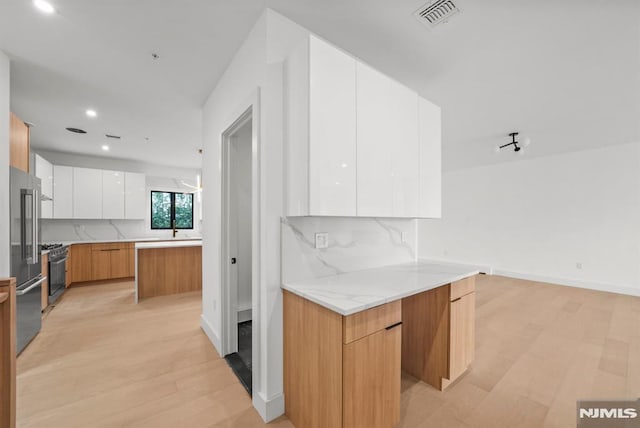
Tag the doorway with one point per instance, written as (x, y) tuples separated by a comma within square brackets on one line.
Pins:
[(237, 247)]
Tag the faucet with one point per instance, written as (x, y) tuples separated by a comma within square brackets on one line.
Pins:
[(174, 229)]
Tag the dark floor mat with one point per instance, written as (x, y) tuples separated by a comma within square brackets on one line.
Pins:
[(240, 362)]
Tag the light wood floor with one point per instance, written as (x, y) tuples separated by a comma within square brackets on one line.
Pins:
[(101, 361)]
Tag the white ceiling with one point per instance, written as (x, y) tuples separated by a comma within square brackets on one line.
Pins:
[(565, 73)]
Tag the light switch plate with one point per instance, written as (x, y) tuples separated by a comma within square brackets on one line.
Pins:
[(322, 240)]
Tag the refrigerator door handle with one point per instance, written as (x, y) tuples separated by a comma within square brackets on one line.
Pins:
[(34, 223), (31, 287)]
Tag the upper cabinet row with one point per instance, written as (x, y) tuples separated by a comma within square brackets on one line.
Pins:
[(358, 142), (84, 193)]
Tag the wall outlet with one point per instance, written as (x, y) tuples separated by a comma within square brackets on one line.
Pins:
[(578, 265), (322, 240)]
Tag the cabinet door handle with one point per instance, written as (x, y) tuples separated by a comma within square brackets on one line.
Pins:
[(392, 326), (455, 300)]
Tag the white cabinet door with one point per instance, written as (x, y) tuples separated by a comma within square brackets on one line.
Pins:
[(62, 191), (430, 159), (388, 153), (332, 131), (405, 150), (375, 144), (135, 202), (113, 194), (44, 171), (87, 193)]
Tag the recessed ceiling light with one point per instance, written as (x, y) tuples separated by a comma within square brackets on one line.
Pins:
[(91, 113), (105, 148), (44, 6)]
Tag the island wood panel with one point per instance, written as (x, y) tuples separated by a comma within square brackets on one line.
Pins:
[(164, 271), (19, 144), (372, 376), (366, 322), (45, 285), (8, 353), (81, 263), (312, 363), (425, 335)]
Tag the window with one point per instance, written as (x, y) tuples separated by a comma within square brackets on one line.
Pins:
[(167, 207)]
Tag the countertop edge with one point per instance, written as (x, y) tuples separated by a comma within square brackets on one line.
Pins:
[(167, 244)]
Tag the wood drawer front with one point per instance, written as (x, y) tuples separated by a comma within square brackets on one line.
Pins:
[(109, 246), (463, 287), (361, 324)]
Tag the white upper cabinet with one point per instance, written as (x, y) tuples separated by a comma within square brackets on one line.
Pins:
[(87, 193), (388, 164), (44, 171), (358, 143), (430, 134), (321, 127), (62, 191), (135, 196), (113, 184)]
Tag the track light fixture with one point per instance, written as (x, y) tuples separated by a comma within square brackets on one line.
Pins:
[(513, 143)]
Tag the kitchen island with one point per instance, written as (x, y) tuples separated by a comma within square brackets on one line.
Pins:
[(167, 267), (347, 338)]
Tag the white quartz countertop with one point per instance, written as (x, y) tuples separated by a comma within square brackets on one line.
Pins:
[(352, 292), (143, 239), (167, 244)]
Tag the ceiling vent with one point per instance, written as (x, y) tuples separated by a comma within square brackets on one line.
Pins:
[(436, 12)]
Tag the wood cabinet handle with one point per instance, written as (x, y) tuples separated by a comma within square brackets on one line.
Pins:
[(455, 300), (3, 297), (392, 326)]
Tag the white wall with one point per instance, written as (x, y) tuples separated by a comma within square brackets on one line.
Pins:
[(257, 66), (537, 218), (5, 266), (240, 159)]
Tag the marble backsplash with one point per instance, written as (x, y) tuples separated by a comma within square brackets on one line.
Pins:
[(57, 230), (354, 244)]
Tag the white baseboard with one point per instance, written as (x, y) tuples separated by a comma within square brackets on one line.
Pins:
[(208, 330), (568, 282), (268, 409)]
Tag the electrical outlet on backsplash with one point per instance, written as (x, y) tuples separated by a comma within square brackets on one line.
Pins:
[(355, 244)]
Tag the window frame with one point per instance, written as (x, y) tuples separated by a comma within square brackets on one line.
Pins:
[(172, 216)]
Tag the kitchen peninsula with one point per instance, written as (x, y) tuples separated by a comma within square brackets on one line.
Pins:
[(348, 336), (167, 267)]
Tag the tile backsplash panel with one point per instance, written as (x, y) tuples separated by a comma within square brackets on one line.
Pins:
[(56, 230), (354, 244)]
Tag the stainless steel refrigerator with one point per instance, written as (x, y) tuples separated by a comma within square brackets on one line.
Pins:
[(25, 254)]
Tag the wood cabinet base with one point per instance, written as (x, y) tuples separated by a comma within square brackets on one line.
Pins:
[(8, 353), (438, 333), (341, 371), (171, 270)]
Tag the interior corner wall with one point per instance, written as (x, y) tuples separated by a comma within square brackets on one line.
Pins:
[(571, 219), (5, 110)]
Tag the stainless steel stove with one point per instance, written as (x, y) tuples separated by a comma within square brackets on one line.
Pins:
[(58, 254)]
